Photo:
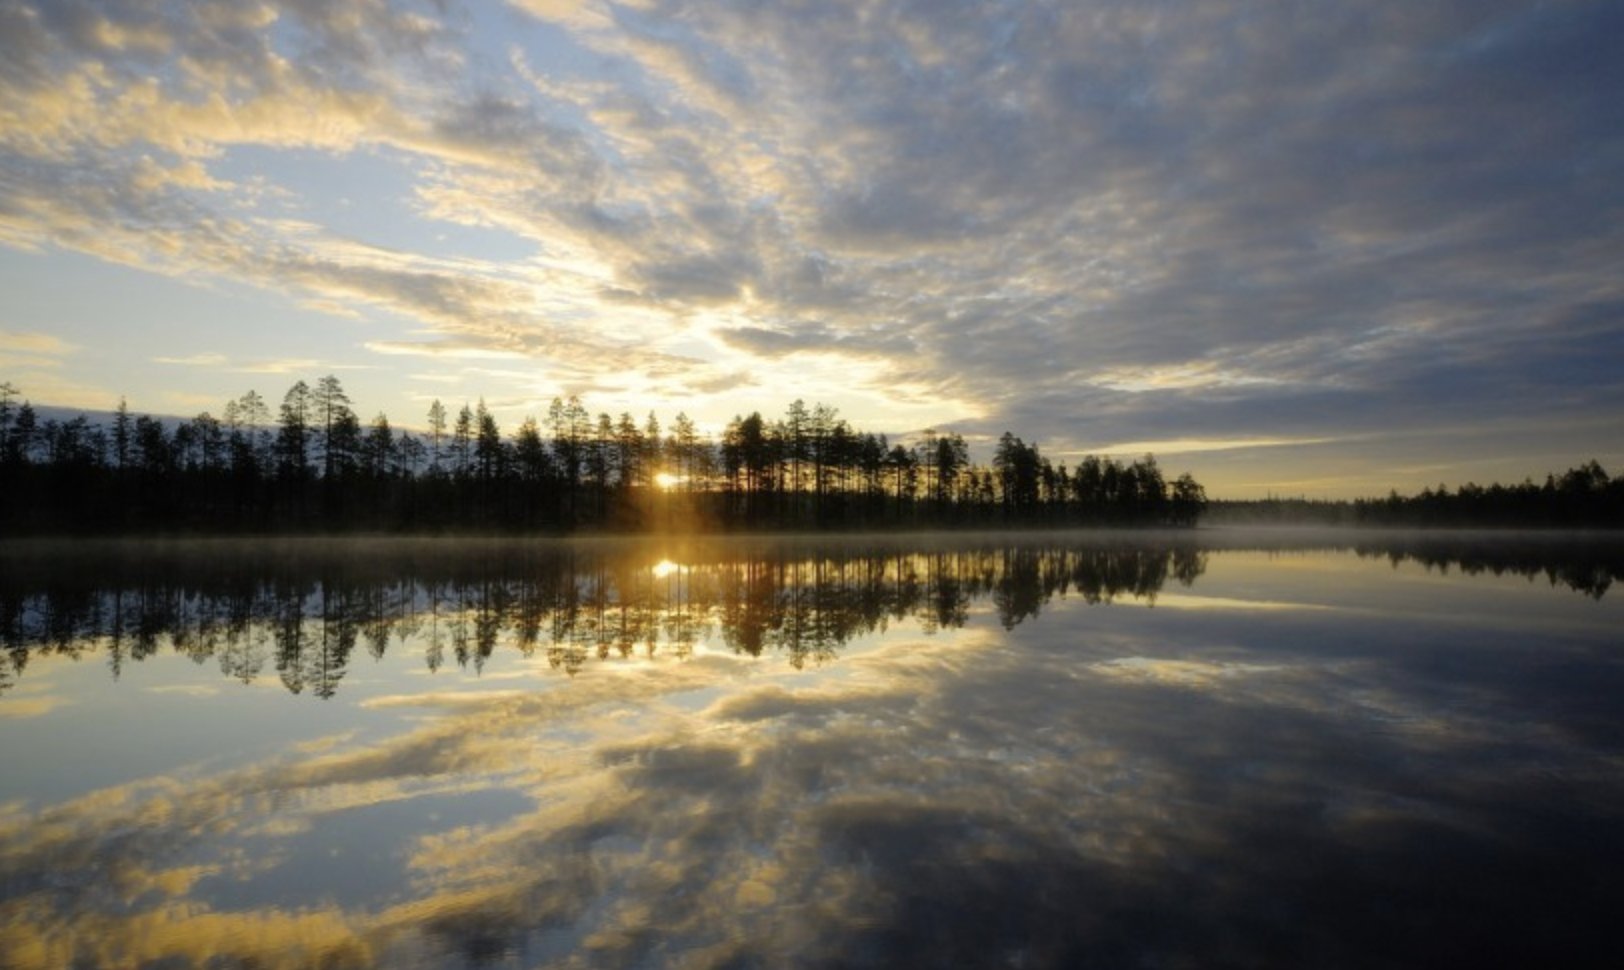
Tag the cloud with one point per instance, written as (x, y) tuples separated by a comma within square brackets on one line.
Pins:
[(961, 795), (39, 367), (34, 344), (577, 11), (215, 361), (438, 349), (193, 360), (816, 339), (1197, 445), (31, 351), (1084, 224)]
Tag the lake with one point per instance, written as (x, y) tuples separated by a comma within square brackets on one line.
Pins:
[(1210, 748)]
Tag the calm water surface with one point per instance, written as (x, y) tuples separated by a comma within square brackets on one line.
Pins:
[(1216, 749)]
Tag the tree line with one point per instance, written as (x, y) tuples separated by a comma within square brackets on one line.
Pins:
[(314, 466), (1583, 497)]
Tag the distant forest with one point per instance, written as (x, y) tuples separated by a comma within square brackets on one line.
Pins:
[(315, 467), (1580, 498)]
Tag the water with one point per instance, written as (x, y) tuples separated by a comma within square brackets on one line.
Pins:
[(1214, 749)]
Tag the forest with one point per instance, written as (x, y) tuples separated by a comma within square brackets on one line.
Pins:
[(1583, 497), (315, 467)]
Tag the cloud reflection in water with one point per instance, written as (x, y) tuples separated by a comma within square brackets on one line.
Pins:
[(1231, 787)]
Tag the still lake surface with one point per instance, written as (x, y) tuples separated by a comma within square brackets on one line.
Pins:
[(1206, 749)]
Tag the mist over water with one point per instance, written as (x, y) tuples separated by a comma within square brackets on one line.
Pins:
[(1215, 748)]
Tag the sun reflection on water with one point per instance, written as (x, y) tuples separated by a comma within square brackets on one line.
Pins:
[(951, 769)]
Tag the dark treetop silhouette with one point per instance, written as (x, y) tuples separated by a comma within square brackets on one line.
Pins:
[(317, 468), (1581, 497)]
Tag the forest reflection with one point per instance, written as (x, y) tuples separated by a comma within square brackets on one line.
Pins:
[(300, 614), (299, 610), (1589, 568)]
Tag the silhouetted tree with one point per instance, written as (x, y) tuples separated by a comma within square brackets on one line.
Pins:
[(488, 450), (121, 435), (330, 408), (436, 443), (1188, 501), (293, 433), (811, 468), (21, 436), (530, 453), (378, 451), (462, 443)]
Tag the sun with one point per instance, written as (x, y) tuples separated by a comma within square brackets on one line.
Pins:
[(666, 480)]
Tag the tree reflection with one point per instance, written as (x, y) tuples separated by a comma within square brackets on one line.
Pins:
[(300, 610), (303, 614), (1589, 568)]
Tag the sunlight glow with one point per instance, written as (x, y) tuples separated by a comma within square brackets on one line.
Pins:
[(667, 481), (664, 568)]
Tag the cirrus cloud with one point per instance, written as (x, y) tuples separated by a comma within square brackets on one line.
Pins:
[(1091, 224)]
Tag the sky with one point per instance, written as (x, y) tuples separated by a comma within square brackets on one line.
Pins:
[(1320, 249)]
